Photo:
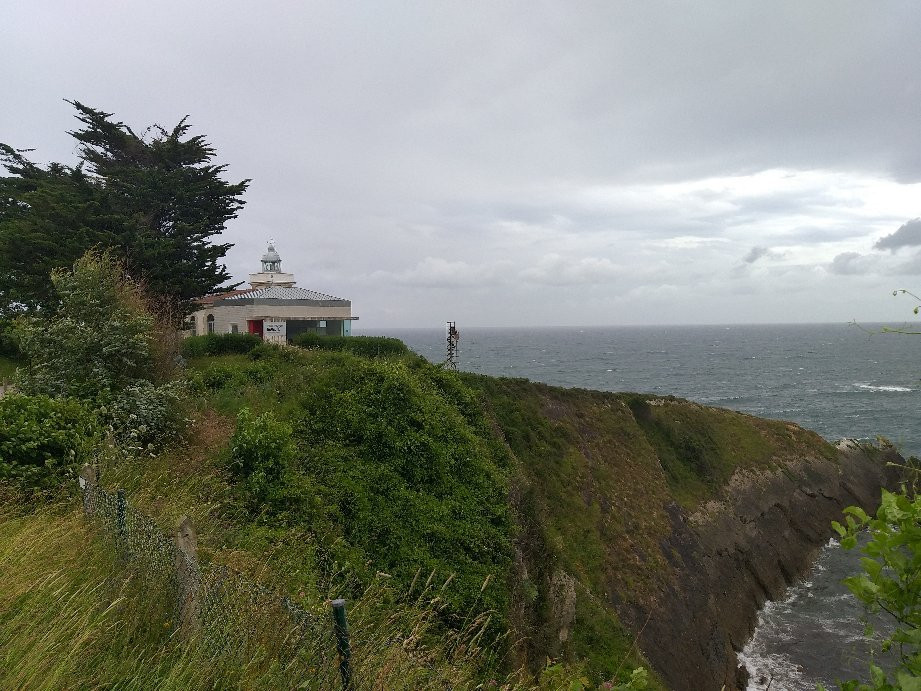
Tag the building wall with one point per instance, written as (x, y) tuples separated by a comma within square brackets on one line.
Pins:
[(226, 316)]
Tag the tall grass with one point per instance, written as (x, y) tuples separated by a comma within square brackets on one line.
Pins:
[(73, 614)]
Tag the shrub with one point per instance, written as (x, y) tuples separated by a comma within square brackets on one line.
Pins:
[(145, 416), (43, 439), (369, 346), (219, 344), (405, 479), (8, 346), (261, 450), (100, 340)]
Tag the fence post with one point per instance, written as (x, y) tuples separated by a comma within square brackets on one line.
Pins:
[(188, 574), (87, 482), (342, 644), (121, 510)]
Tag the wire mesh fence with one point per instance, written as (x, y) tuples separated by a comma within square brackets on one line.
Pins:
[(223, 609)]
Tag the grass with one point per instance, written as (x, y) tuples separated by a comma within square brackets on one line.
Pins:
[(74, 614), (586, 475), (400, 637), (595, 474), (587, 490), (701, 447)]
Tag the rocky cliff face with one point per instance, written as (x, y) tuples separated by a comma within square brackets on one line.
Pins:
[(652, 529), (736, 552)]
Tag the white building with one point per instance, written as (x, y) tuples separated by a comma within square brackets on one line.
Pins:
[(273, 307)]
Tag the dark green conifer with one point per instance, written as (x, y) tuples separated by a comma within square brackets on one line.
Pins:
[(155, 200)]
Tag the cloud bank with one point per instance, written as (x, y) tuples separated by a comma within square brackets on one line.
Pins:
[(521, 162)]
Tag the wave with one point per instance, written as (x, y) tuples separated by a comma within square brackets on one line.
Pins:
[(890, 388), (772, 670)]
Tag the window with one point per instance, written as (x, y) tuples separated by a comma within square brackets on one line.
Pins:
[(234, 329), (210, 323), (323, 324)]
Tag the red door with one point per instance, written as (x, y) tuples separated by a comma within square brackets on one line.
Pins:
[(254, 326)]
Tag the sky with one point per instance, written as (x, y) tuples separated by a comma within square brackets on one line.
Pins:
[(524, 162)]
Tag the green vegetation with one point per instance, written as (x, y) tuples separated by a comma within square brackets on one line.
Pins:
[(7, 369), (486, 528), (219, 344), (100, 341), (377, 459), (890, 582), (156, 200), (369, 346), (700, 447), (593, 474), (73, 614), (44, 440)]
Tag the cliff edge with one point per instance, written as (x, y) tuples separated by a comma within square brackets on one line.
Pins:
[(734, 553), (656, 526)]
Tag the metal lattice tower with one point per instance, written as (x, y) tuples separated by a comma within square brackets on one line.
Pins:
[(452, 336)]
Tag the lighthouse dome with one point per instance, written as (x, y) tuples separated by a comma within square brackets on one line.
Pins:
[(271, 255)]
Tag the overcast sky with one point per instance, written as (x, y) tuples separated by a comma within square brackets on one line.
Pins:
[(525, 163)]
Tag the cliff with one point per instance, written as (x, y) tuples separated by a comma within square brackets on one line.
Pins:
[(571, 534), (663, 522)]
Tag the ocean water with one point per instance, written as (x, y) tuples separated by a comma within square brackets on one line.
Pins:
[(840, 380)]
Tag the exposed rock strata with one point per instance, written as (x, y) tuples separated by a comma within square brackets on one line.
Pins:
[(734, 554)]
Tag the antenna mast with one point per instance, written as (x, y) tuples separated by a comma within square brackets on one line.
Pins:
[(451, 339)]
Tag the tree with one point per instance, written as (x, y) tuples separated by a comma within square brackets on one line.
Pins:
[(155, 200), (48, 218)]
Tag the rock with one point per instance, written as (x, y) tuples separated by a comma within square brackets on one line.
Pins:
[(744, 550)]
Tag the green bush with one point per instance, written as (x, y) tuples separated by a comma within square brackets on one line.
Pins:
[(145, 417), (43, 439), (9, 348), (369, 346), (220, 375), (219, 344), (100, 341), (261, 451), (404, 479)]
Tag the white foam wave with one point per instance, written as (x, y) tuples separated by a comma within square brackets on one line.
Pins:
[(890, 388), (771, 670)]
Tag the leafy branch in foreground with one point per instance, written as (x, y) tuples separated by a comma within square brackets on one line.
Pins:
[(917, 308), (890, 582)]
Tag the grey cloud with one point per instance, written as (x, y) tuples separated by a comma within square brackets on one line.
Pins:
[(501, 147), (756, 253), (911, 267), (436, 272), (555, 270), (908, 235), (850, 264)]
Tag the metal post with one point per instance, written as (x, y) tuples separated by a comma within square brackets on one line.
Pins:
[(342, 644), (121, 506)]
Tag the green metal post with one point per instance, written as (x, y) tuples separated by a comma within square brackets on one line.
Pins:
[(342, 644)]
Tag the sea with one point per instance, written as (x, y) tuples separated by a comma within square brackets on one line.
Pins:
[(841, 380)]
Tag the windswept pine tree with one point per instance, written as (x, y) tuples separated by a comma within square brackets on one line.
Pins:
[(156, 200)]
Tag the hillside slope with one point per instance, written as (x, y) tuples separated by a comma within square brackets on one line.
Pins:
[(662, 519), (572, 534)]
